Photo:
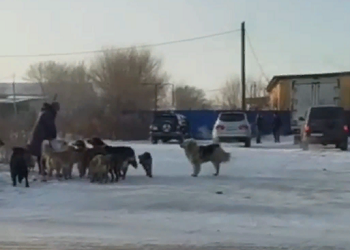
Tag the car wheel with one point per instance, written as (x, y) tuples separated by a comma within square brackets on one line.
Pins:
[(154, 141), (344, 146), (247, 143), (165, 140)]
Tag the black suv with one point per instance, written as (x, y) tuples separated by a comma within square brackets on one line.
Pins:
[(169, 126), (325, 125)]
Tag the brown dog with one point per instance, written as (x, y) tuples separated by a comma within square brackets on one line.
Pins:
[(88, 155), (99, 167), (64, 160)]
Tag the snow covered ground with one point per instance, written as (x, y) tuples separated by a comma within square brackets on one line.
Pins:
[(272, 195)]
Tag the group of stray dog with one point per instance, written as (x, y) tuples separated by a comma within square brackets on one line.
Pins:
[(101, 160)]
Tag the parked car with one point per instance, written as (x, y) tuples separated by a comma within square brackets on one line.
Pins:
[(325, 125), (231, 127), (169, 126)]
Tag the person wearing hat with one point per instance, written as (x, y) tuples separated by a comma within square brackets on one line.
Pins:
[(44, 129)]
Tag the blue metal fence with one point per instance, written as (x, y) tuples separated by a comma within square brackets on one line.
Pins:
[(202, 121)]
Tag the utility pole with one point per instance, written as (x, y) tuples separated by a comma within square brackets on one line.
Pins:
[(156, 86), (243, 64), (14, 94)]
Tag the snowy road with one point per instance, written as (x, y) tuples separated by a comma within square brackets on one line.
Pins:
[(272, 195)]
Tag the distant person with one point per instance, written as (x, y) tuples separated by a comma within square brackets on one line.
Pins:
[(44, 129), (276, 126), (259, 127)]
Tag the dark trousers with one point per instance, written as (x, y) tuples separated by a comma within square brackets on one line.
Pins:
[(276, 135), (258, 136)]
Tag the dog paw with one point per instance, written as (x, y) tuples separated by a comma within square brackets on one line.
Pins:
[(215, 174), (193, 175)]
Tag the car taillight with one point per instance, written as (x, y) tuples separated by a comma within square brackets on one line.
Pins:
[(220, 127), (307, 129), (346, 129), (243, 127)]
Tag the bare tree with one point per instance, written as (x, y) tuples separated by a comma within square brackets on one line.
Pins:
[(74, 90), (230, 95), (188, 97), (121, 75)]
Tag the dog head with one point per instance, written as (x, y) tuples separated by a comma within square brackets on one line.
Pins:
[(96, 142), (146, 163), (189, 144), (133, 162), (79, 145), (19, 151)]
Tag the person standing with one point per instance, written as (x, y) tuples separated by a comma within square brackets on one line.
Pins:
[(259, 127), (44, 129), (276, 126)]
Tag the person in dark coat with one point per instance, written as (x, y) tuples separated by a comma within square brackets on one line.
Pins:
[(259, 127), (44, 129), (276, 126)]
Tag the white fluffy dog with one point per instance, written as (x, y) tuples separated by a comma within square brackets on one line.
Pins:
[(202, 154)]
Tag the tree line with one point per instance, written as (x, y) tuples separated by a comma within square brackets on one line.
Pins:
[(106, 98)]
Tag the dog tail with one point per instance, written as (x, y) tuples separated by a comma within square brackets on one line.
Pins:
[(223, 155)]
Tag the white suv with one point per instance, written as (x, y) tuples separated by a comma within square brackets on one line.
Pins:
[(232, 126)]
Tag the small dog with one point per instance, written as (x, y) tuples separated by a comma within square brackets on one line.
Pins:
[(202, 154), (146, 161), (88, 155), (19, 165), (99, 167)]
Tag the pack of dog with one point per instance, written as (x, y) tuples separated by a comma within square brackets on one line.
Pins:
[(197, 155), (121, 157)]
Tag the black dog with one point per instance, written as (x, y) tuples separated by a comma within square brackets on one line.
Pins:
[(146, 161), (119, 154), (19, 165)]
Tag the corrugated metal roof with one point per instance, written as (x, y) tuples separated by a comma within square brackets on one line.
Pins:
[(20, 98), (21, 88)]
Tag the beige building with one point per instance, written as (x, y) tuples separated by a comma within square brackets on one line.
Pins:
[(290, 92)]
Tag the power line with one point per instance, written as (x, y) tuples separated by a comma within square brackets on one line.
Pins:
[(125, 48), (256, 58)]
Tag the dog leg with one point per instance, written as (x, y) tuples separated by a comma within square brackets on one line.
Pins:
[(70, 171), (14, 181), (112, 175), (125, 170), (42, 165), (196, 170), (27, 183), (117, 174), (50, 171), (217, 168)]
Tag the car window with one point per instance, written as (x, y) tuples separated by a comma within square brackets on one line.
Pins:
[(165, 118), (232, 117), (326, 113)]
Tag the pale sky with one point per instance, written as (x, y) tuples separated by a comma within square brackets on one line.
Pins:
[(289, 36)]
